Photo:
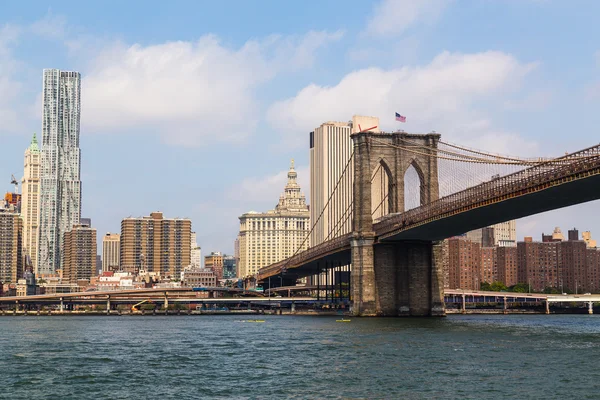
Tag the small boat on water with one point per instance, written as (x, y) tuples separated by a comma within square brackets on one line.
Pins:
[(255, 320), (342, 320)]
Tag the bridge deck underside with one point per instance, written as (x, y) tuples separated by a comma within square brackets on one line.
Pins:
[(566, 194), (335, 259)]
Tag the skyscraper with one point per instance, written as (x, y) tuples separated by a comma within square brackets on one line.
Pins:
[(30, 201), (330, 151), (111, 251), (60, 195)]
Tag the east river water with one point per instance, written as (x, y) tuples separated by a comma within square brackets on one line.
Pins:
[(195, 357)]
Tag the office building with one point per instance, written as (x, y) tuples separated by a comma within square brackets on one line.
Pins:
[(214, 262), (156, 244), (229, 267), (266, 238), (236, 254), (60, 185), (111, 252), (503, 234), (330, 150), (79, 255), (198, 277), (30, 201), (11, 250)]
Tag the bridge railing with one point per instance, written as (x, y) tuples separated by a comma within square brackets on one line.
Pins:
[(315, 252), (527, 179)]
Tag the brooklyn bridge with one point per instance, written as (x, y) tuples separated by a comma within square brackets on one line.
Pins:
[(390, 252)]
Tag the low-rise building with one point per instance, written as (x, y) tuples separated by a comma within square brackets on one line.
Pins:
[(198, 277)]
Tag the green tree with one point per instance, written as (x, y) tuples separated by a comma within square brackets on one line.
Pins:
[(498, 287), (485, 286), (519, 288), (551, 290)]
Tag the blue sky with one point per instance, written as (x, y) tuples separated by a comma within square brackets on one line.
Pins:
[(195, 108)]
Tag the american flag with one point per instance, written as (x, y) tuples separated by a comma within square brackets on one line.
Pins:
[(400, 118)]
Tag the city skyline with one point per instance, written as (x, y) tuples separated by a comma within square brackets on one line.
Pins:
[(330, 59)]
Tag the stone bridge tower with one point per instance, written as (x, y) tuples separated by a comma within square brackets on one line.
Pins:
[(393, 278)]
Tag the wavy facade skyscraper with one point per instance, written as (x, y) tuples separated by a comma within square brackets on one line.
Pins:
[(60, 197)]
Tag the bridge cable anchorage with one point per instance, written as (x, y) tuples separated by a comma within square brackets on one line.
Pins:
[(343, 175)]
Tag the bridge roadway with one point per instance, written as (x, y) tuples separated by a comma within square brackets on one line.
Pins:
[(570, 180), (516, 297), (116, 293)]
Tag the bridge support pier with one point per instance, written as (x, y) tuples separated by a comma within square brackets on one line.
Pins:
[(107, 305), (363, 277), (547, 307), (62, 305), (397, 279), (590, 308)]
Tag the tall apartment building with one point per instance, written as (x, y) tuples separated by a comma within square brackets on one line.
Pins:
[(79, 255), (464, 264), (111, 252), (60, 192), (538, 264), (30, 201), (214, 262), (572, 263), (266, 238), (11, 251), (593, 270), (156, 244), (488, 270), (196, 260), (330, 150), (506, 265)]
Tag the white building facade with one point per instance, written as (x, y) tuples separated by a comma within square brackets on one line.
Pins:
[(266, 238), (196, 253), (30, 201), (60, 195)]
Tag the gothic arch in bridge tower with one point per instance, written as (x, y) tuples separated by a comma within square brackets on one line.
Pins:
[(414, 187), (382, 190)]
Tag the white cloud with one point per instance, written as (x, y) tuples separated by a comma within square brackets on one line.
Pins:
[(10, 87), (267, 189), (190, 92), (444, 95), (392, 17), (50, 27)]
